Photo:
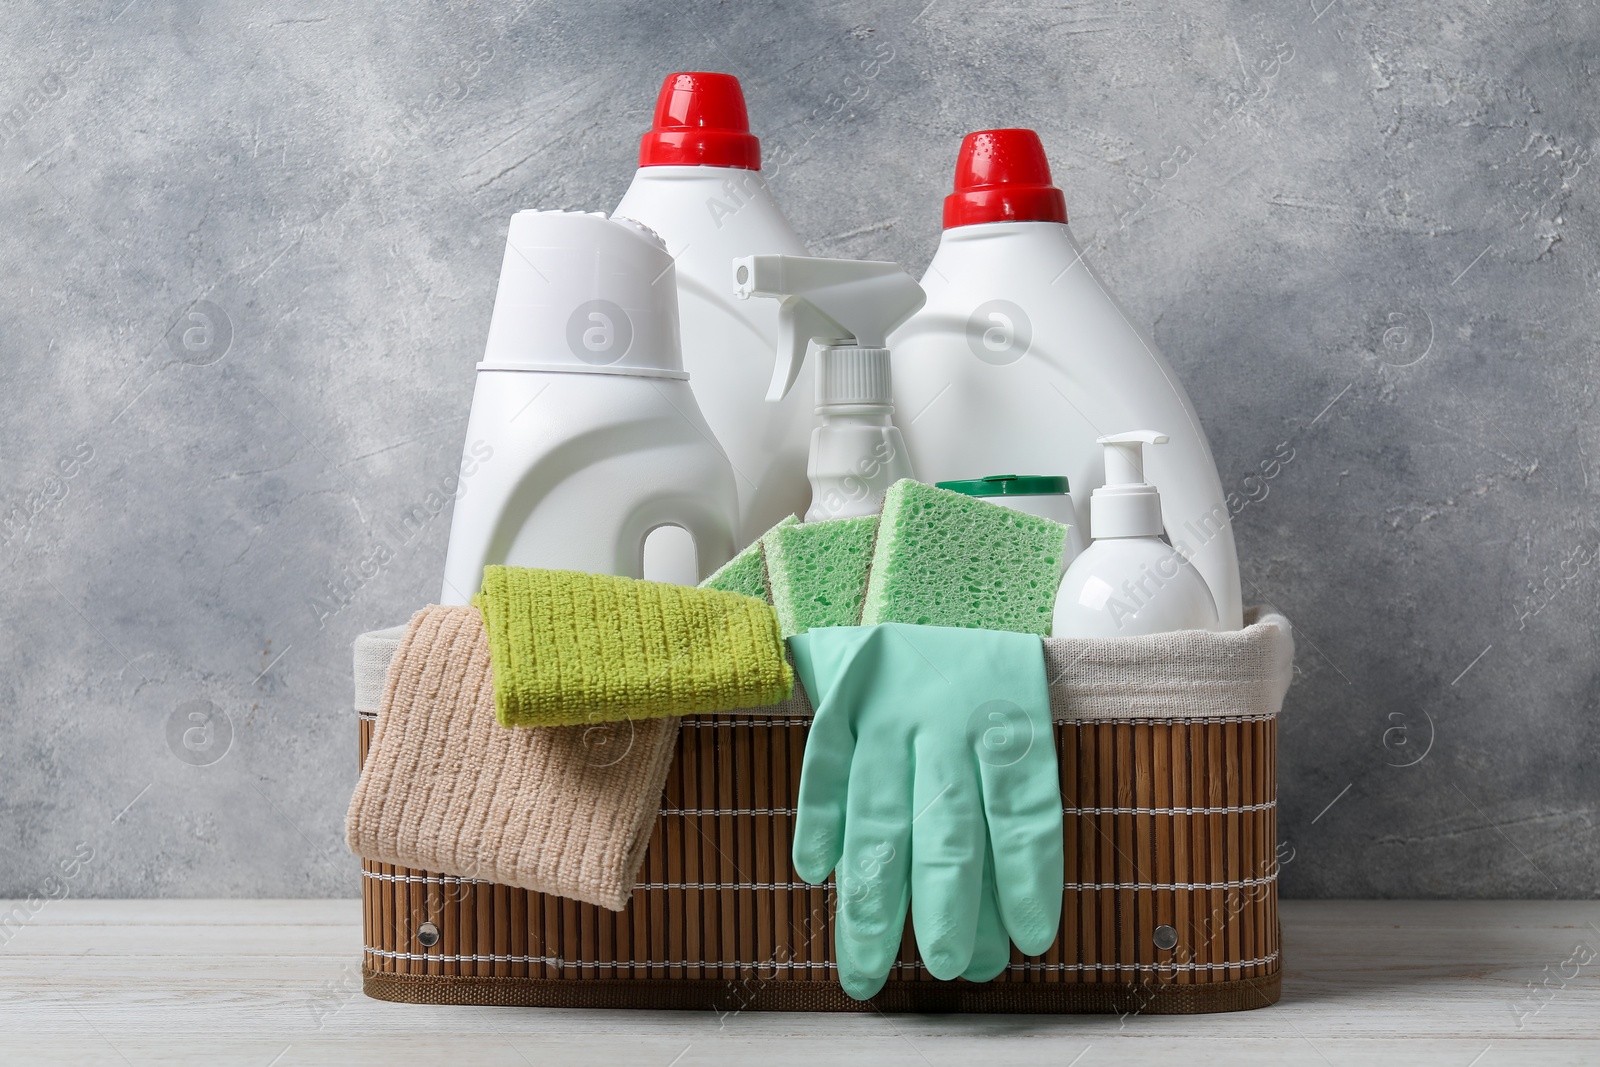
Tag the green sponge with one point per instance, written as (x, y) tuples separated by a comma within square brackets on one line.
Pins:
[(944, 559), (818, 571), (747, 572)]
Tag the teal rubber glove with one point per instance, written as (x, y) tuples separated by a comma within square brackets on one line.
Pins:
[(930, 781), (991, 949)]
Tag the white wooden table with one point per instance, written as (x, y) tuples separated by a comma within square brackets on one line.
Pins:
[(277, 982)]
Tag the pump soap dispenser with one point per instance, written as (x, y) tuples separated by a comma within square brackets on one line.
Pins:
[(1130, 582), (847, 308)]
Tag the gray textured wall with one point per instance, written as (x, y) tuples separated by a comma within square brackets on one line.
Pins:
[(1362, 234)]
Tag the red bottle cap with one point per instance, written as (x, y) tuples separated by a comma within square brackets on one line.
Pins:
[(1003, 176), (700, 121)]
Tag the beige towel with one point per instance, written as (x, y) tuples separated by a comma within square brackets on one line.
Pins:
[(562, 810)]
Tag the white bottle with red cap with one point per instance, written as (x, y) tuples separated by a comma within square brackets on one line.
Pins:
[(1021, 359), (699, 186)]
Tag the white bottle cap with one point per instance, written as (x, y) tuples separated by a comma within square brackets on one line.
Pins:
[(854, 375), (1126, 506), (582, 293)]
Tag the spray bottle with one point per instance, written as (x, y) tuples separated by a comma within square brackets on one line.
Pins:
[(845, 308), (699, 186), (595, 438), (1021, 357), (1130, 582)]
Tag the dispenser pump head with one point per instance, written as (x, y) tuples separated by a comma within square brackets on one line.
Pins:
[(1126, 505), (700, 120), (841, 304), (1003, 176)]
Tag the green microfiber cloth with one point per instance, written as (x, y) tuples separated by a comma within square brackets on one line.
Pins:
[(818, 571), (568, 648), (747, 572), (944, 559)]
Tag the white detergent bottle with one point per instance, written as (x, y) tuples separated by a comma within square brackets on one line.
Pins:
[(1129, 582), (699, 186), (582, 404), (842, 309), (1022, 358)]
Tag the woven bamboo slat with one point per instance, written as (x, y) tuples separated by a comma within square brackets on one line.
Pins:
[(1171, 901)]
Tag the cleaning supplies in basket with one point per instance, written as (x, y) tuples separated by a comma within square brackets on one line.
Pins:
[(571, 648), (444, 788), (1130, 582), (929, 780), (699, 186), (582, 395), (1021, 354)]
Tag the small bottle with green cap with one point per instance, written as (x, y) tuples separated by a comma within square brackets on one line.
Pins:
[(1046, 495)]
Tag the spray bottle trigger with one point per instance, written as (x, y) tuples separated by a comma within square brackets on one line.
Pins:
[(799, 322), (827, 302)]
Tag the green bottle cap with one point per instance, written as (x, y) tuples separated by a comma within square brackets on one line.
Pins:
[(1009, 485)]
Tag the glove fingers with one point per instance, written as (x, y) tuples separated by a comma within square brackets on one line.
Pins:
[(991, 948), (856, 981), (873, 876), (1022, 802), (948, 842), (819, 820), (1029, 872), (821, 659)]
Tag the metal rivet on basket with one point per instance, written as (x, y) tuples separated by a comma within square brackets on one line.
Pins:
[(428, 935), (1165, 938)]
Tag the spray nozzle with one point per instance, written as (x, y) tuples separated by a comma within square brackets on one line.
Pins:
[(834, 302)]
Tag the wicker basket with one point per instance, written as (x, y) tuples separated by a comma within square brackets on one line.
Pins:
[(1171, 904)]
